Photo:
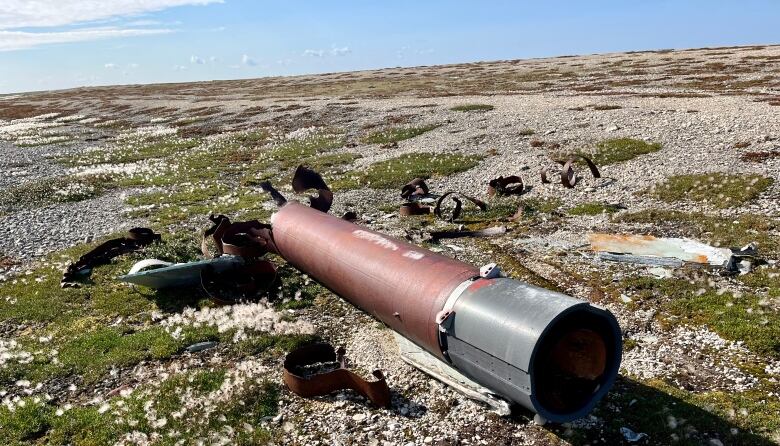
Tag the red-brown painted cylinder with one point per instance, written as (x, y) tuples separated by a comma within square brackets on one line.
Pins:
[(400, 284)]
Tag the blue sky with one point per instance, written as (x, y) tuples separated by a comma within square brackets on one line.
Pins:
[(51, 44)]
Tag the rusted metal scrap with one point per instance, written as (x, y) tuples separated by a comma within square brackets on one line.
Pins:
[(135, 239), (458, 205), (248, 239), (511, 185), (414, 188), (646, 249), (297, 361), (412, 192), (350, 216), (305, 179), (551, 353), (568, 175), (413, 208), (236, 273)]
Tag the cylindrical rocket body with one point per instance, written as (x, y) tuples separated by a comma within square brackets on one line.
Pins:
[(400, 284), (549, 352)]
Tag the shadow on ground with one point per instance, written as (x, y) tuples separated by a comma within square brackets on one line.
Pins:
[(665, 419)]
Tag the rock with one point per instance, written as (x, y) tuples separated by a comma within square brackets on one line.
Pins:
[(200, 346), (359, 417)]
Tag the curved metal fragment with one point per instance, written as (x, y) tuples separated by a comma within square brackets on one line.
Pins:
[(307, 385), (305, 179), (511, 185), (568, 176), (135, 239), (416, 187), (350, 216), (248, 239), (275, 194), (458, 205)]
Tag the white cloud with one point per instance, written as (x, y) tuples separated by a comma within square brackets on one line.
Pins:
[(314, 53), (340, 51), (334, 51), (20, 40), (41, 13), (18, 14), (132, 66), (179, 68), (197, 60), (144, 23), (213, 59), (110, 66), (248, 61)]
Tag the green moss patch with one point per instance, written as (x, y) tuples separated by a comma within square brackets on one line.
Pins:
[(671, 416), (47, 191), (617, 150), (739, 318), (133, 151), (396, 172), (716, 189), (151, 410)]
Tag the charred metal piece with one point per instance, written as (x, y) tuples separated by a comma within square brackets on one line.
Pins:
[(458, 205), (413, 208), (305, 179), (136, 239), (275, 194), (568, 176), (487, 232), (350, 216), (414, 188), (511, 185), (248, 239), (551, 353), (338, 378)]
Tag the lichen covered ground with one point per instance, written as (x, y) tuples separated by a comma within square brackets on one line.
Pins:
[(689, 146)]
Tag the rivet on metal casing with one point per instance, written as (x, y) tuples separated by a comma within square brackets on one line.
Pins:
[(490, 271)]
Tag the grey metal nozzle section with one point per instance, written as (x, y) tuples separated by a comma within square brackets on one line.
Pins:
[(549, 352)]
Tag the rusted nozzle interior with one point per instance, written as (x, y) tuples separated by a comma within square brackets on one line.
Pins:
[(577, 356)]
